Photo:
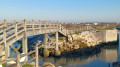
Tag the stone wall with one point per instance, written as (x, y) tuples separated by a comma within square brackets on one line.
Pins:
[(101, 35), (107, 35)]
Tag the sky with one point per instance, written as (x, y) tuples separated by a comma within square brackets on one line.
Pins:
[(61, 10)]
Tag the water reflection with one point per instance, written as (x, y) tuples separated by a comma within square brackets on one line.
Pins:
[(106, 58), (117, 63), (119, 48), (109, 54)]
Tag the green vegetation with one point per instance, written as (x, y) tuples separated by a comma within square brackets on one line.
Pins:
[(27, 65), (61, 38), (77, 32), (4, 64)]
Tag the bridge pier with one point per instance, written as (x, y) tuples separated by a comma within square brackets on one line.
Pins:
[(45, 40), (5, 44), (45, 51), (57, 52), (24, 46), (7, 52), (56, 36)]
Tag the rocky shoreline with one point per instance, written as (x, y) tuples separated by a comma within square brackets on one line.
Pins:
[(88, 50), (82, 52)]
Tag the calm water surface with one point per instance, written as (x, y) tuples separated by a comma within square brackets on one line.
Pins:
[(105, 58)]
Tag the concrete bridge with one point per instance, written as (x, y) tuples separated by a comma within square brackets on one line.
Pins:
[(12, 31)]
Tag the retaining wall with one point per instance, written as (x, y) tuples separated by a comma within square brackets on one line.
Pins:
[(107, 35)]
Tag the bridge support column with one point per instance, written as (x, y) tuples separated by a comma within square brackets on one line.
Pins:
[(56, 36), (7, 51), (5, 45), (45, 51), (45, 40), (57, 52), (24, 46)]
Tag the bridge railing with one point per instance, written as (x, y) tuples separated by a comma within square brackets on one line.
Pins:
[(63, 29), (17, 59), (40, 24), (13, 29)]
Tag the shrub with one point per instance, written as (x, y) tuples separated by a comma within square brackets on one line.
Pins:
[(27, 65), (4, 64), (77, 32), (60, 38)]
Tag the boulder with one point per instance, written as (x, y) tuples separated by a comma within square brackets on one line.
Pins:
[(45, 52), (57, 53), (61, 49), (47, 64)]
